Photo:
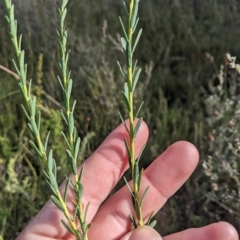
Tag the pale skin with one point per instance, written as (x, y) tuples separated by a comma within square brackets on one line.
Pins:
[(110, 219)]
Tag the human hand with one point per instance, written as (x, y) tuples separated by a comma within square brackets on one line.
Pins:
[(110, 219)]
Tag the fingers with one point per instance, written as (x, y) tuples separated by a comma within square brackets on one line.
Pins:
[(102, 171), (143, 233), (215, 231), (164, 176)]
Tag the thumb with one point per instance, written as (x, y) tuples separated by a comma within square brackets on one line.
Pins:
[(143, 233)]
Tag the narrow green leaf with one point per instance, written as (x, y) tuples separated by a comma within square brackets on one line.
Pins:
[(136, 23), (74, 105), (68, 227), (137, 127), (149, 219), (69, 88), (125, 7), (26, 114), (79, 192), (120, 68), (123, 122), (21, 64), (153, 223), (133, 221), (77, 145), (130, 190), (123, 28), (34, 126), (125, 98), (53, 191), (129, 54), (64, 4), (16, 67), (46, 142), (86, 211), (72, 162), (137, 208), (20, 41), (134, 14), (139, 109), (33, 105), (39, 121), (46, 175), (35, 148), (136, 77), (137, 40), (60, 82), (53, 181), (50, 160), (140, 178), (63, 117), (54, 168), (57, 203), (136, 173), (126, 90), (71, 123), (66, 189), (128, 149), (30, 127), (65, 138), (124, 44), (144, 196), (140, 154), (135, 67), (81, 173)]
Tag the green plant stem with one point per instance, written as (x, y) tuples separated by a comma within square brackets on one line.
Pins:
[(131, 114), (31, 106)]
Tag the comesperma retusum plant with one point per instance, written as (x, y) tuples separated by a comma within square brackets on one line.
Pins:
[(75, 222), (33, 116), (129, 42)]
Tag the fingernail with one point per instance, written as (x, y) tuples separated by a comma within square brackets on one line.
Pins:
[(145, 233)]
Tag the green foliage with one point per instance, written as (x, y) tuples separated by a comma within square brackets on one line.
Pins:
[(174, 75)]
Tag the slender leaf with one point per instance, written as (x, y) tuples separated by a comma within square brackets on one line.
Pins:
[(136, 173), (137, 39), (125, 98), (86, 211), (153, 223), (123, 28), (77, 145), (65, 138), (46, 141), (137, 208), (130, 190), (136, 77), (120, 68), (32, 144), (136, 23), (150, 218), (124, 44), (57, 203), (137, 127), (123, 122), (133, 221), (66, 190), (139, 109), (140, 178), (128, 149), (125, 7), (144, 196), (68, 227), (134, 14)]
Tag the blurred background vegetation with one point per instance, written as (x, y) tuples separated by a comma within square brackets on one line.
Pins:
[(189, 92)]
